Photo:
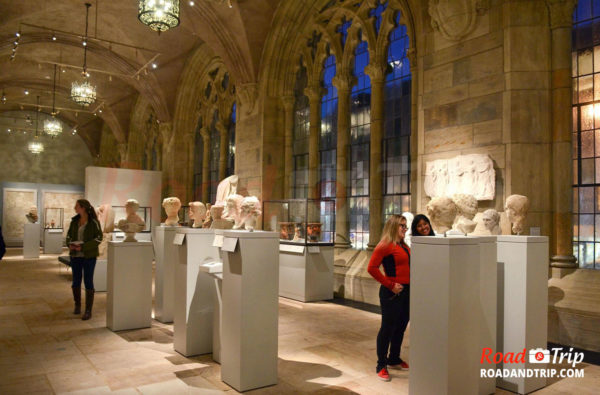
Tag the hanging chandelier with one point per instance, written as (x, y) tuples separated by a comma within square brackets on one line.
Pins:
[(82, 92), (159, 15), (35, 146), (53, 127)]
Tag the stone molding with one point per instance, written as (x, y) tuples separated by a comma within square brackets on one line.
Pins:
[(455, 19), (561, 13)]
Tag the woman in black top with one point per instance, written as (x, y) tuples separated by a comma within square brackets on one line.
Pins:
[(421, 226)]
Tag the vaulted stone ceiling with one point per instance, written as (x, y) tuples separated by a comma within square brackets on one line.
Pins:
[(237, 35)]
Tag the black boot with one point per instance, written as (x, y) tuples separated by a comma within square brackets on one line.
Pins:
[(89, 302), (77, 299)]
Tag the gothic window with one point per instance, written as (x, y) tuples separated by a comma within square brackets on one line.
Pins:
[(328, 140), (360, 132), (215, 144), (199, 150), (396, 139), (586, 134), (231, 147), (300, 137)]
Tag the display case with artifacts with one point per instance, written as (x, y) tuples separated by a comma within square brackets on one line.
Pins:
[(301, 221), (132, 219), (184, 216), (54, 218)]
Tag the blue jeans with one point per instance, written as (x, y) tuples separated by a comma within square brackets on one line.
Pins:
[(85, 266)]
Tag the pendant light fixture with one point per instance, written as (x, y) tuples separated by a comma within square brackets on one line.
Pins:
[(159, 15), (35, 146), (82, 92), (52, 126)]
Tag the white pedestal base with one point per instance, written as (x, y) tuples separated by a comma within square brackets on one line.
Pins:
[(129, 298), (444, 316), (522, 304), (488, 295), (194, 293), (250, 309), (164, 282), (100, 275), (53, 241), (306, 276), (31, 241)]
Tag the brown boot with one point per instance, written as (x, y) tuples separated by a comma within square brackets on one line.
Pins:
[(77, 299), (89, 302)]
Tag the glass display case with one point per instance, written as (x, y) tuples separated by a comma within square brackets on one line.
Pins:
[(301, 221), (54, 218), (184, 216), (144, 212)]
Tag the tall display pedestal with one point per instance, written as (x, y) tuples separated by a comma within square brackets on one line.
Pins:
[(100, 275), (250, 309), (522, 305), (164, 282), (215, 271), (306, 272), (53, 241), (129, 275), (444, 315), (194, 291), (31, 241), (488, 296)]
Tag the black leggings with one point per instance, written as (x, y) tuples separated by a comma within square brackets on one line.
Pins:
[(394, 319)]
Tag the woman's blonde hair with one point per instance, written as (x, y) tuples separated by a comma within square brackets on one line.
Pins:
[(390, 230)]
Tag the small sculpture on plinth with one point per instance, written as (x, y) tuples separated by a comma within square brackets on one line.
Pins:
[(133, 223), (197, 213), (466, 206), (491, 222), (32, 215), (516, 208), (172, 206), (208, 219), (250, 211), (441, 211)]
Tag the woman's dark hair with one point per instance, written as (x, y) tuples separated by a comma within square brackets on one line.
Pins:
[(87, 206), (415, 222)]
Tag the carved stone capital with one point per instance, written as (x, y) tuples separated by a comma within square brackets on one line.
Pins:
[(561, 12), (314, 92), (455, 19), (247, 95), (376, 72), (344, 82)]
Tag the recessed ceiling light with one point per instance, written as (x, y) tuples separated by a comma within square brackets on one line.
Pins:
[(26, 92), (18, 34), (8, 130), (191, 3), (53, 37), (154, 65)]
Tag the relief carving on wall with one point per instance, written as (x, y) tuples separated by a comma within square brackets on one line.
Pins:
[(464, 174), (16, 204), (455, 19)]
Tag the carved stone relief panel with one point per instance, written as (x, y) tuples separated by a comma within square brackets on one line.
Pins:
[(464, 174), (16, 204)]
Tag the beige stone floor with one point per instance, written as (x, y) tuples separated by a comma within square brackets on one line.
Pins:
[(323, 347)]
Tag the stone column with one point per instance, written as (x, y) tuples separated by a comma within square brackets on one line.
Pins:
[(165, 130), (561, 12), (205, 165), (288, 159), (343, 82), (314, 94), (190, 141), (223, 129), (377, 74)]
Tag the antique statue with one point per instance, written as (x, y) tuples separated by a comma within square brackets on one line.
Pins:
[(441, 212), (106, 217), (32, 215), (466, 206), (232, 208), (250, 211), (226, 188), (133, 223), (491, 221), (208, 218), (218, 222), (197, 214), (298, 233), (172, 206), (516, 208), (409, 219)]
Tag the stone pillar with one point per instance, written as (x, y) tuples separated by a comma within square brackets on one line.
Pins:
[(561, 12), (377, 74), (314, 94), (166, 133), (223, 148), (343, 82), (190, 142), (288, 155), (205, 165)]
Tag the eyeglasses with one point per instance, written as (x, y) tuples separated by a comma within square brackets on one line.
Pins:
[(404, 226)]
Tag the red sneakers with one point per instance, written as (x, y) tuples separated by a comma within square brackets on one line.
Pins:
[(383, 375), (400, 366)]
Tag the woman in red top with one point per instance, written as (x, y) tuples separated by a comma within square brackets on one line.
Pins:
[(394, 293)]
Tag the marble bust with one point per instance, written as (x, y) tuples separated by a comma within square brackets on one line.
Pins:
[(208, 218), (491, 221), (441, 211), (409, 219), (466, 206), (232, 211), (172, 206), (32, 215), (106, 217), (516, 208), (226, 188), (250, 210), (217, 220), (133, 223), (197, 214)]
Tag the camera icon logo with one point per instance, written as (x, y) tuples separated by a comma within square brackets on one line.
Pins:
[(539, 355)]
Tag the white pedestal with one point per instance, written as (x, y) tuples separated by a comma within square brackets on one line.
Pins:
[(306, 272), (250, 309), (488, 295), (129, 275), (522, 304), (164, 282), (31, 241), (215, 271), (120, 236), (194, 292), (53, 241), (100, 275), (444, 315)]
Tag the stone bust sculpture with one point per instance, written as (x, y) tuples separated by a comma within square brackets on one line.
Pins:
[(208, 219), (491, 221), (226, 188), (516, 208), (172, 206), (232, 210), (250, 210), (32, 215), (133, 223), (441, 211), (197, 214), (466, 206)]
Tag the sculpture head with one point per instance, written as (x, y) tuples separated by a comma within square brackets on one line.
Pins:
[(131, 206), (516, 208), (171, 206), (442, 211), (466, 205), (197, 213), (216, 212), (33, 210), (491, 219), (250, 205), (232, 206)]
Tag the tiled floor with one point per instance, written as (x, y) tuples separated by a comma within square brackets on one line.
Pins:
[(323, 347)]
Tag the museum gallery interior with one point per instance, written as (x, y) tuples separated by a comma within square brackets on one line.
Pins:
[(294, 196)]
